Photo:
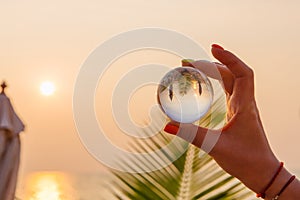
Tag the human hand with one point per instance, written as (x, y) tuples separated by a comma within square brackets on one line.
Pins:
[(242, 149)]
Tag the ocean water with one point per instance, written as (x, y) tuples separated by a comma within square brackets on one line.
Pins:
[(64, 186)]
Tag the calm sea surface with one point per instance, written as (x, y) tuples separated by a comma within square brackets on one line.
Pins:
[(63, 186)]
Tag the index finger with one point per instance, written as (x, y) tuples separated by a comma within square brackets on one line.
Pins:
[(213, 70), (243, 89), (234, 64)]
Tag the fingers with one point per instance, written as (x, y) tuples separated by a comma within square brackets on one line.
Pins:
[(208, 68), (206, 139), (189, 132), (243, 88), (213, 70), (234, 64)]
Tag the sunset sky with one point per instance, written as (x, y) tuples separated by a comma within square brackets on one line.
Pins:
[(49, 40)]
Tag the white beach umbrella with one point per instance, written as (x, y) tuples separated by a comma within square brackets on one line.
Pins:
[(10, 127)]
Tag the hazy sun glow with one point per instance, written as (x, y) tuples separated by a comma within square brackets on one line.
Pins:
[(49, 186), (47, 88)]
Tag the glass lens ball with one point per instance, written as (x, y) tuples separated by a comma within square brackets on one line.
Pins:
[(185, 94)]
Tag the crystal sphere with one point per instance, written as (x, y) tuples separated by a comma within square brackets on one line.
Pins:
[(185, 94)]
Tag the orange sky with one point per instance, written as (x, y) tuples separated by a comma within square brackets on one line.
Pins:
[(49, 40)]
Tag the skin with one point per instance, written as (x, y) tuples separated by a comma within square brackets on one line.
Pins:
[(242, 149)]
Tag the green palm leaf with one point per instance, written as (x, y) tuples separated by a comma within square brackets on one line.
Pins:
[(190, 176)]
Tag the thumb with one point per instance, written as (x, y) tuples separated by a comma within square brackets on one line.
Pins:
[(189, 132)]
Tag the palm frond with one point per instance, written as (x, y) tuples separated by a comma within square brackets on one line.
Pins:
[(188, 176)]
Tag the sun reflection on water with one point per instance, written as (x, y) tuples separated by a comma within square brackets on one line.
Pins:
[(49, 186)]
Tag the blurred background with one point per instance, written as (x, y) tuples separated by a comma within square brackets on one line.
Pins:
[(49, 40)]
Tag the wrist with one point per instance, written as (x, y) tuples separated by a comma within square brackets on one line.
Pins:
[(285, 187), (261, 174), (278, 183)]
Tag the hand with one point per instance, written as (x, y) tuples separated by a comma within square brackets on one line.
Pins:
[(242, 149)]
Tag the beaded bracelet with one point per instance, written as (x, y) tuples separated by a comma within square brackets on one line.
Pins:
[(262, 194), (284, 187)]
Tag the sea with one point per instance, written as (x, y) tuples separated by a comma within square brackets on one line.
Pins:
[(51, 185), (65, 186)]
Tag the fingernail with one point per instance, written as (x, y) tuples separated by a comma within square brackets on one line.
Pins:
[(217, 63), (172, 129), (217, 46), (187, 60)]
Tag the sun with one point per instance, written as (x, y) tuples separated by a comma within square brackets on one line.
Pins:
[(47, 88)]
